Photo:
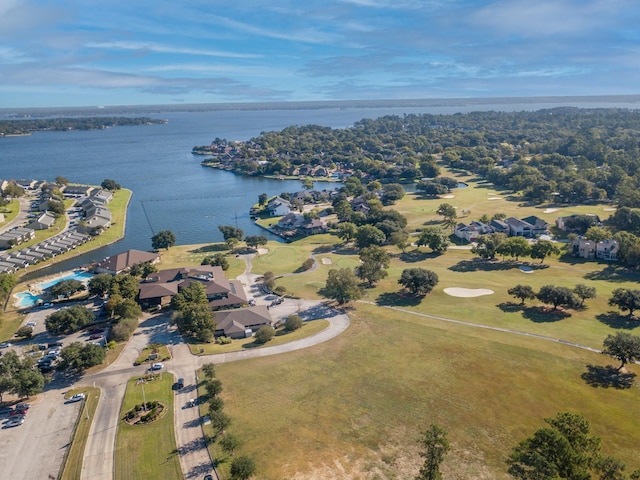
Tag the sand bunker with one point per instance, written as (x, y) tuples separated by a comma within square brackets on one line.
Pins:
[(467, 292), (525, 269), (609, 209), (448, 196), (262, 251), (494, 198), (550, 210), (326, 261)]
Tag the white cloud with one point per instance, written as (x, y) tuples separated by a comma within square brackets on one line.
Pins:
[(146, 46)]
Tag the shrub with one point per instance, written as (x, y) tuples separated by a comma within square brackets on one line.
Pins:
[(25, 332), (308, 263), (264, 334), (224, 340), (293, 322), (123, 329)]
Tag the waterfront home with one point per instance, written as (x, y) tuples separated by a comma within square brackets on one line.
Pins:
[(123, 261), (278, 207), (158, 289), (76, 191), (242, 322), (101, 196)]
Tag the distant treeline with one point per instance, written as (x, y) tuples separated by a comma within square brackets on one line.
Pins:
[(562, 155), (24, 127)]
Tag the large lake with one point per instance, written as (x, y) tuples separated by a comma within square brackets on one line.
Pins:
[(170, 188)]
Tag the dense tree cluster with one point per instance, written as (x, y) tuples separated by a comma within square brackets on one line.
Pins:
[(566, 154), (19, 376), (565, 449), (193, 314), (21, 127), (69, 320), (79, 356)]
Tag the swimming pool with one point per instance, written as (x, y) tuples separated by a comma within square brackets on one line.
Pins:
[(29, 299)]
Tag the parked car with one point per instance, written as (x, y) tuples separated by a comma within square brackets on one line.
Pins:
[(30, 324), (16, 412), (76, 398), (5, 410), (14, 422), (180, 383), (5, 345), (208, 477), (95, 336), (23, 406), (157, 366)]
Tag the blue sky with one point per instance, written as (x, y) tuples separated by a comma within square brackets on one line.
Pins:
[(97, 52)]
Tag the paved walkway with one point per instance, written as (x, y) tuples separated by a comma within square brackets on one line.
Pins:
[(194, 458)]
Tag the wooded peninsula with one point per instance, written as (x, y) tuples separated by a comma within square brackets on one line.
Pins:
[(28, 126)]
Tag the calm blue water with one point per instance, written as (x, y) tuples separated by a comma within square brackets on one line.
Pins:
[(170, 188)]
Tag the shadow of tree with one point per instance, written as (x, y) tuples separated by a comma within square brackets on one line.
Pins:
[(544, 314), (324, 249), (616, 320), (609, 376), (417, 256), (479, 264), (612, 273), (398, 299), (511, 307), (216, 247)]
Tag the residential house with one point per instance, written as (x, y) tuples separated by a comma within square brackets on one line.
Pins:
[(519, 228), (159, 288), (102, 196), (589, 249), (471, 232), (498, 226), (43, 222), (16, 236), (278, 207), (242, 322), (75, 191), (538, 225), (561, 222), (313, 226), (123, 261)]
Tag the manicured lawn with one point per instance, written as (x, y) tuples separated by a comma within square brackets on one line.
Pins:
[(359, 401), (72, 467), (308, 329), (147, 451), (161, 350), (10, 321), (185, 255)]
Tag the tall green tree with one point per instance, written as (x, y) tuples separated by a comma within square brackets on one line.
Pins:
[(583, 292), (418, 281), (514, 247), (229, 231), (487, 245), (543, 249), (435, 447), (242, 468), (374, 262), (622, 346), (435, 239), (368, 235), (347, 231), (163, 239), (626, 299), (523, 292), (342, 285), (565, 449), (558, 296)]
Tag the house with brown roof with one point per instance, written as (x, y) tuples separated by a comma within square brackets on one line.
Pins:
[(242, 322), (123, 261), (159, 288)]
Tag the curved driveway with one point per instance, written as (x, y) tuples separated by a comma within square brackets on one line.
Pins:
[(99, 453)]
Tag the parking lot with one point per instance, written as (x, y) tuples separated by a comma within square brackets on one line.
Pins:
[(35, 449)]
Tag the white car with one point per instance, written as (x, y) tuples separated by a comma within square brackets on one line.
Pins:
[(5, 345), (157, 366), (30, 324), (77, 397)]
